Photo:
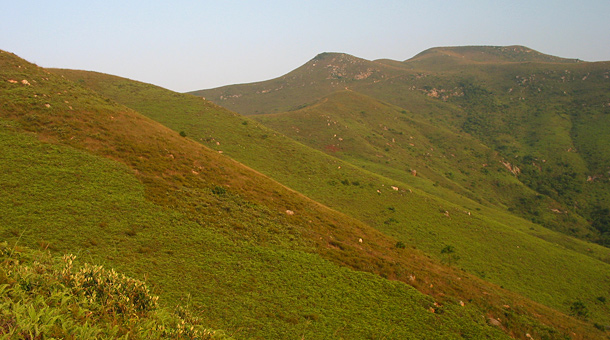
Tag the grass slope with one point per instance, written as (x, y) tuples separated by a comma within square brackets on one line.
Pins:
[(487, 242), (93, 177), (547, 119), (389, 141), (543, 114)]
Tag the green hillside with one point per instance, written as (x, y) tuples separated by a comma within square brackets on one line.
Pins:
[(543, 117), (548, 119), (485, 242), (390, 141), (88, 176), (330, 72), (324, 74)]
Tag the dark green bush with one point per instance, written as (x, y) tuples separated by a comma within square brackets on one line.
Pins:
[(579, 309), (218, 190)]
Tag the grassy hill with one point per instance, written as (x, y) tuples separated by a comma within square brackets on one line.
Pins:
[(87, 175), (330, 72), (390, 141), (484, 54), (488, 242), (542, 115), (324, 74)]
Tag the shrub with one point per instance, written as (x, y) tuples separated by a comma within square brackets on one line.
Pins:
[(448, 250), (218, 190), (114, 292), (449, 256), (579, 309), (42, 297), (390, 221)]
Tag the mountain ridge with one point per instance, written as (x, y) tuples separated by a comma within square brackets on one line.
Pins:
[(306, 83)]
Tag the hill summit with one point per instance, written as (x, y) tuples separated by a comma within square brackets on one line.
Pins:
[(495, 54)]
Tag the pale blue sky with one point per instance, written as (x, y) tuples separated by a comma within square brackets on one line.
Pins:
[(187, 45)]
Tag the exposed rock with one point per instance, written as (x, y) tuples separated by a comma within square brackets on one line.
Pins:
[(494, 322), (512, 168), (364, 75)]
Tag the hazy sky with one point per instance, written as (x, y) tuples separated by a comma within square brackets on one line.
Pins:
[(187, 45)]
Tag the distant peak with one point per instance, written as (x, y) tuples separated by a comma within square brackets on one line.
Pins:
[(333, 55), (328, 54), (513, 53)]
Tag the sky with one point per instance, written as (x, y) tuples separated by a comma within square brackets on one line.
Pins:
[(187, 45)]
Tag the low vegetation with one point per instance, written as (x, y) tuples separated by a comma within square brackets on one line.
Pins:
[(541, 115), (45, 297), (426, 216), (92, 177)]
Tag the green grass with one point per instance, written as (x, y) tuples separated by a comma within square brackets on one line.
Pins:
[(299, 292), (490, 243), (528, 107), (94, 178)]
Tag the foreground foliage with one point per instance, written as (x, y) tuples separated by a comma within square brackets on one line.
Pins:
[(43, 297)]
